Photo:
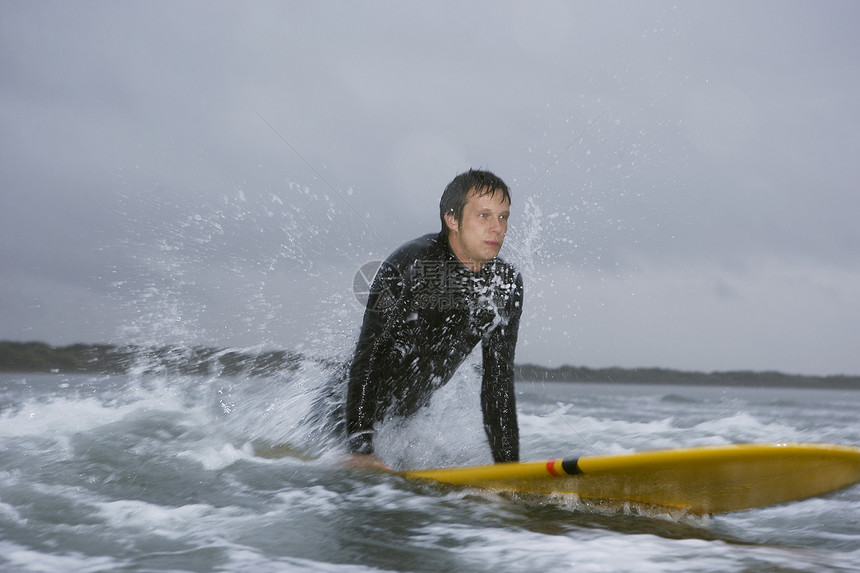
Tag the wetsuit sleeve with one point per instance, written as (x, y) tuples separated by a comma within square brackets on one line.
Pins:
[(498, 398), (366, 380)]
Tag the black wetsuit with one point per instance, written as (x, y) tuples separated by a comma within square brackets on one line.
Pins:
[(425, 314)]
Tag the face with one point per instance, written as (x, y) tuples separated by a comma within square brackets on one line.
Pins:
[(478, 236)]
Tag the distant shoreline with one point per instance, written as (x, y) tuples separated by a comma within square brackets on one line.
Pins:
[(662, 376), (81, 358)]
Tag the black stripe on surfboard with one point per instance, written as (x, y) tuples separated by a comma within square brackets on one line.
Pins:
[(571, 466)]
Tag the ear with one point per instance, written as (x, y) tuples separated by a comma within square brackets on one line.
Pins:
[(451, 222)]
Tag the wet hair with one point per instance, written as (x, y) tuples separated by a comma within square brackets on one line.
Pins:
[(456, 194)]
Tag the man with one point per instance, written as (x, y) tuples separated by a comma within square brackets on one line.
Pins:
[(432, 301)]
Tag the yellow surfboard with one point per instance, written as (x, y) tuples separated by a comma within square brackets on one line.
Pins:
[(702, 480)]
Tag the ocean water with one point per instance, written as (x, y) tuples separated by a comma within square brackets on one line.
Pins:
[(161, 472)]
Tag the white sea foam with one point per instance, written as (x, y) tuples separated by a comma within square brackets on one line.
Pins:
[(600, 551), (60, 416), (243, 559), (167, 522), (9, 512), (24, 559), (217, 456), (315, 498), (744, 427), (289, 408)]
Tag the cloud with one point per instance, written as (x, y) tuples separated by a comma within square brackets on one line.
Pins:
[(189, 156)]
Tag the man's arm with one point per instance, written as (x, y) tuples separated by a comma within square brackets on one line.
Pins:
[(366, 371), (498, 397)]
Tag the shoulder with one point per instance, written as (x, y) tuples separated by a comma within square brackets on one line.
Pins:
[(422, 248)]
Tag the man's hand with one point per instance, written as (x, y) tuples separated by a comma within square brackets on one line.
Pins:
[(367, 461)]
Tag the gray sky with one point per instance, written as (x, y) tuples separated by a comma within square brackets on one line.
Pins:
[(685, 174)]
